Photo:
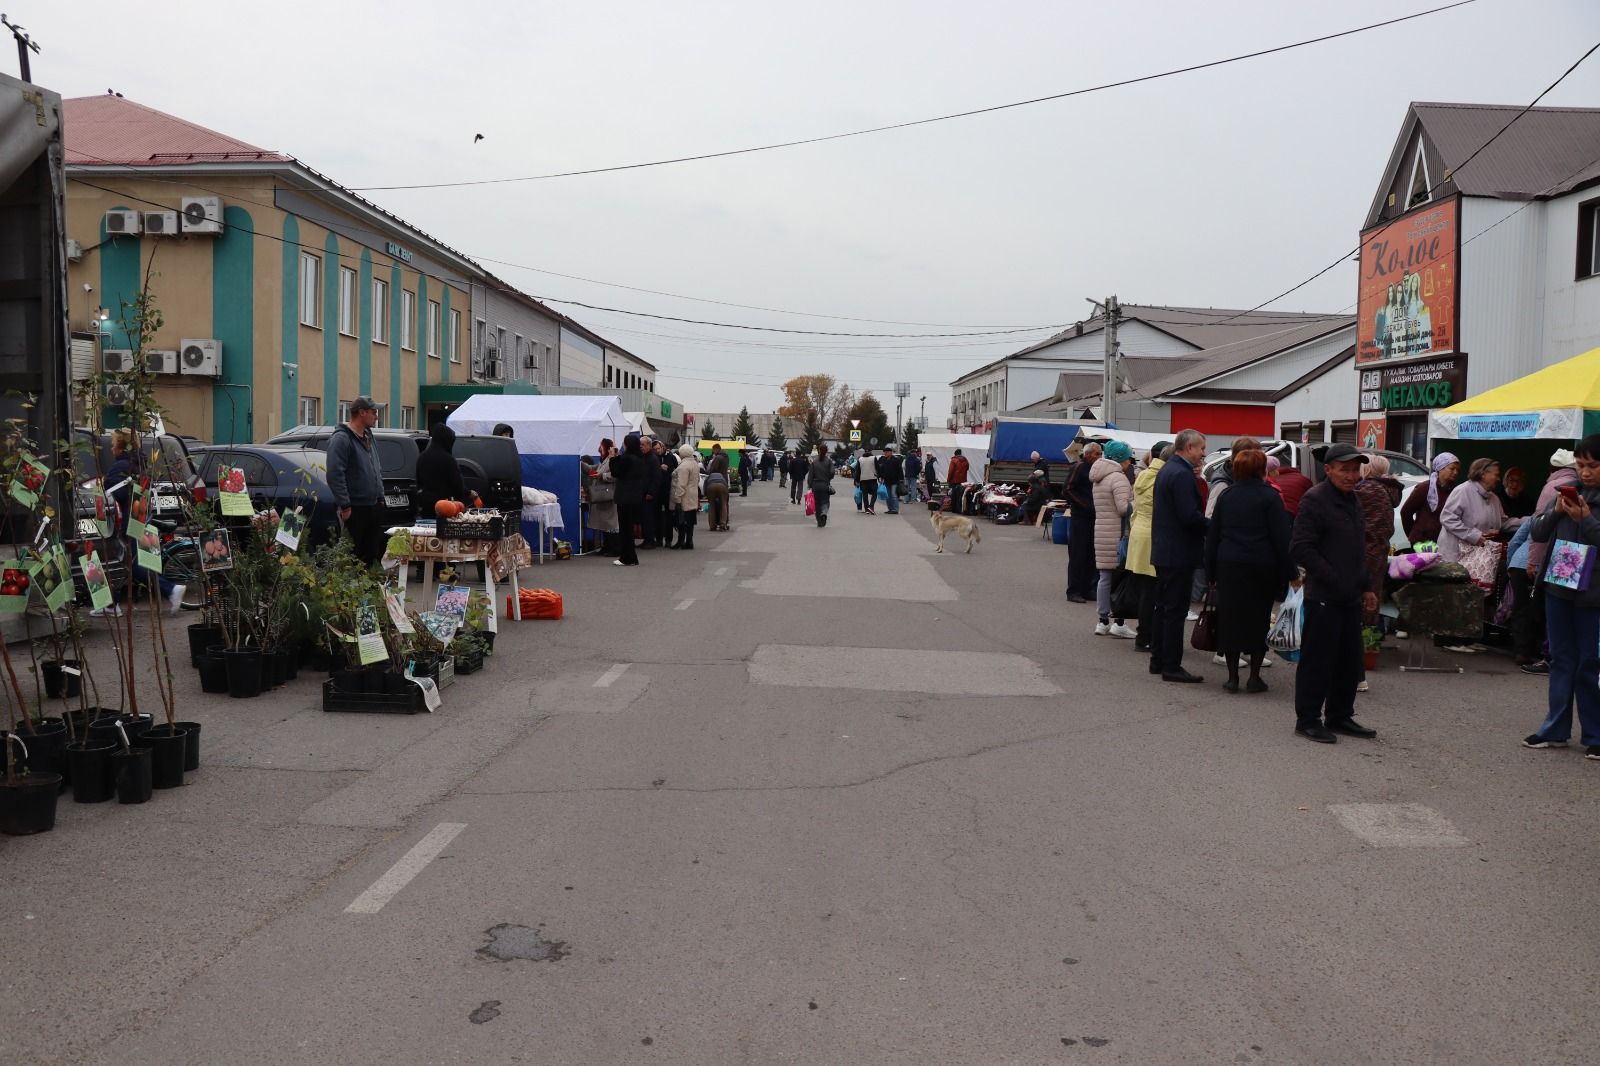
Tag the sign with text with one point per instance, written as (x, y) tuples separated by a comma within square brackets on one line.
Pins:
[(1498, 427), (1418, 386), (1406, 296)]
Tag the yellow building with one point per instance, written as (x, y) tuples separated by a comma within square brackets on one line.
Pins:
[(284, 296)]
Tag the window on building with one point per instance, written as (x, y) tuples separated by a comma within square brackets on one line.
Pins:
[(480, 338), (310, 411), (453, 343), (383, 414), (310, 289), (431, 342), (408, 318), (1589, 239), (347, 301), (344, 410), (380, 312), (408, 418), (500, 344)]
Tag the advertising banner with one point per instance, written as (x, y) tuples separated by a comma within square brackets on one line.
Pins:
[(1417, 386), (1373, 432), (1406, 297)]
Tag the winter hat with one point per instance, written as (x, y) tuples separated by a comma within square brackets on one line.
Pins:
[(1118, 452), (1563, 459)]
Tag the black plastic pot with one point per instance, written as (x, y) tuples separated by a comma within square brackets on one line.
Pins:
[(46, 742), (271, 668), (191, 749), (57, 683), (168, 746), (201, 638), (89, 763), (291, 663), (347, 681), (374, 680), (28, 804), (213, 670), (132, 770), (244, 672), (106, 728)]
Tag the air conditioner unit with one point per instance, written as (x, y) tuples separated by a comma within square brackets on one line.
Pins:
[(122, 222), (200, 357), (116, 360), (117, 394), (202, 215), (74, 251), (161, 223), (162, 362)]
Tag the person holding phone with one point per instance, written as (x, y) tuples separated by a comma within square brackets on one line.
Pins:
[(1572, 609)]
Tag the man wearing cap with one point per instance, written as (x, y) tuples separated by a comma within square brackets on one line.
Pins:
[(1329, 546), (356, 482), (891, 471)]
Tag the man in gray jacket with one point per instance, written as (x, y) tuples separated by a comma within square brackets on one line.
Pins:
[(356, 481)]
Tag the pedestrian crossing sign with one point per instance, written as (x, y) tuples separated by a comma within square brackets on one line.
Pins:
[(855, 436)]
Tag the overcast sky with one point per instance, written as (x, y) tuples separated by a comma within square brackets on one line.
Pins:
[(1219, 188)]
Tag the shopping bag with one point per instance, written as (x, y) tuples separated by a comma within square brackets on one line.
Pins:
[(1284, 636), (1204, 636), (1126, 589), (1482, 561), (811, 503), (1571, 565)]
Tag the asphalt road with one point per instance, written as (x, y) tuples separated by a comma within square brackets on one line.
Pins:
[(823, 796)]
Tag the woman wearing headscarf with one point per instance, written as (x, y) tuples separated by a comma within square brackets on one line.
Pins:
[(1113, 500), (1472, 515), (1419, 517), (819, 479), (1138, 565), (1247, 558), (602, 516), (685, 497)]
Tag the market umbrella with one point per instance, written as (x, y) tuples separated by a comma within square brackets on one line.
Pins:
[(1560, 402)]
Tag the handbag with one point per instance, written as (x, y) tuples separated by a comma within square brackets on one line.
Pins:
[(1571, 565), (1482, 562), (811, 503), (602, 491), (1204, 637)]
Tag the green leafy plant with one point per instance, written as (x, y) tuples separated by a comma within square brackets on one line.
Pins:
[(1371, 638)]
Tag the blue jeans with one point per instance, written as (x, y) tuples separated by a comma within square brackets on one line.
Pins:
[(1574, 636), (894, 498)]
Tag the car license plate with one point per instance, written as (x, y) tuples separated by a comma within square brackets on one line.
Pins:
[(397, 501), (166, 503), (88, 527)]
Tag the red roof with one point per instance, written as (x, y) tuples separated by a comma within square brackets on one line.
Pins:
[(111, 129)]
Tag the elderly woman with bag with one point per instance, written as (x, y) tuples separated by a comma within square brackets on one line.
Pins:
[(1113, 502), (599, 492), (1247, 559), (1472, 520), (685, 497)]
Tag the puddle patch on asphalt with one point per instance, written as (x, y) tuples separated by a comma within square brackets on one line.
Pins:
[(508, 942), (487, 1011)]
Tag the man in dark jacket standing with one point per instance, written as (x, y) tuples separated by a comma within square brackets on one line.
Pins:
[(799, 470), (438, 474), (1329, 544), (913, 476), (891, 471), (355, 480), (1082, 576), (665, 464), (1177, 548)]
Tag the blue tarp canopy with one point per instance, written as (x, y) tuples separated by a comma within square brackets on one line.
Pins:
[(551, 433), (1016, 439)]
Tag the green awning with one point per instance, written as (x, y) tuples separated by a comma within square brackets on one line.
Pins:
[(456, 392)]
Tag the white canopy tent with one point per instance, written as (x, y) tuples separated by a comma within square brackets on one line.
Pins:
[(975, 446)]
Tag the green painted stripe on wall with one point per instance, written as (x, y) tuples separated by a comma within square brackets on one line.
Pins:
[(423, 337), (289, 381), (233, 323), (448, 339), (364, 326), (396, 394), (119, 279), (330, 331)]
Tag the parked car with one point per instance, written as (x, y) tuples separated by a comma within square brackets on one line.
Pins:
[(397, 459), (281, 478), (491, 467)]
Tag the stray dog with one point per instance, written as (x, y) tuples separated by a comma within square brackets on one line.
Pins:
[(962, 526)]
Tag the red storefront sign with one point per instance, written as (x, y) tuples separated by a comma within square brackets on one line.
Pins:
[(1225, 419)]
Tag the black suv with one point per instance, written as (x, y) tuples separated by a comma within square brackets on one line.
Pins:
[(492, 468), (397, 459)]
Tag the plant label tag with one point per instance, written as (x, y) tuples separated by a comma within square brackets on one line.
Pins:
[(44, 526), (118, 487), (233, 491), (397, 613), (54, 578), (94, 578), (71, 671), (291, 524), (29, 479), (369, 638), (430, 692)]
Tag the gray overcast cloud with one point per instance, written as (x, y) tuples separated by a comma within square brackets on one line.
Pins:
[(1219, 188)]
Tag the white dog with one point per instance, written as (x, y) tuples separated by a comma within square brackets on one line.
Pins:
[(960, 525)]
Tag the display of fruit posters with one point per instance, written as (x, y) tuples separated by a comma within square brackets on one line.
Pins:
[(54, 577), (138, 512), (291, 527), (369, 640), (148, 546), (235, 494), (96, 488), (216, 551), (29, 479), (15, 579), (94, 577)]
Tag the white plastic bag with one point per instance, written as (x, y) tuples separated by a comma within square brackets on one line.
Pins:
[(1285, 632)]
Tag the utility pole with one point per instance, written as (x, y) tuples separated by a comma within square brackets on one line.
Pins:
[(1110, 377), (902, 389)]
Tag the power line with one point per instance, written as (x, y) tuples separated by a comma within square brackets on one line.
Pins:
[(803, 332), (926, 121)]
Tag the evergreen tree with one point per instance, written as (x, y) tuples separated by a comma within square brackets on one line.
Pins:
[(743, 427), (874, 421), (776, 440), (710, 433), (910, 436), (812, 435)]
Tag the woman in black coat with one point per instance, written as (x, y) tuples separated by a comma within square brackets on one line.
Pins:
[(1247, 558), (631, 471)]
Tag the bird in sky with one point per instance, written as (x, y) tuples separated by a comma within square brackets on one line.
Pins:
[(477, 138)]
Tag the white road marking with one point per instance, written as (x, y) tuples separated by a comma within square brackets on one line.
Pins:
[(605, 679), (410, 865), (1398, 825), (721, 570), (684, 606)]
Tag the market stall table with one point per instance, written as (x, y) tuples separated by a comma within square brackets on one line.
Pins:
[(501, 559), (548, 517)]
